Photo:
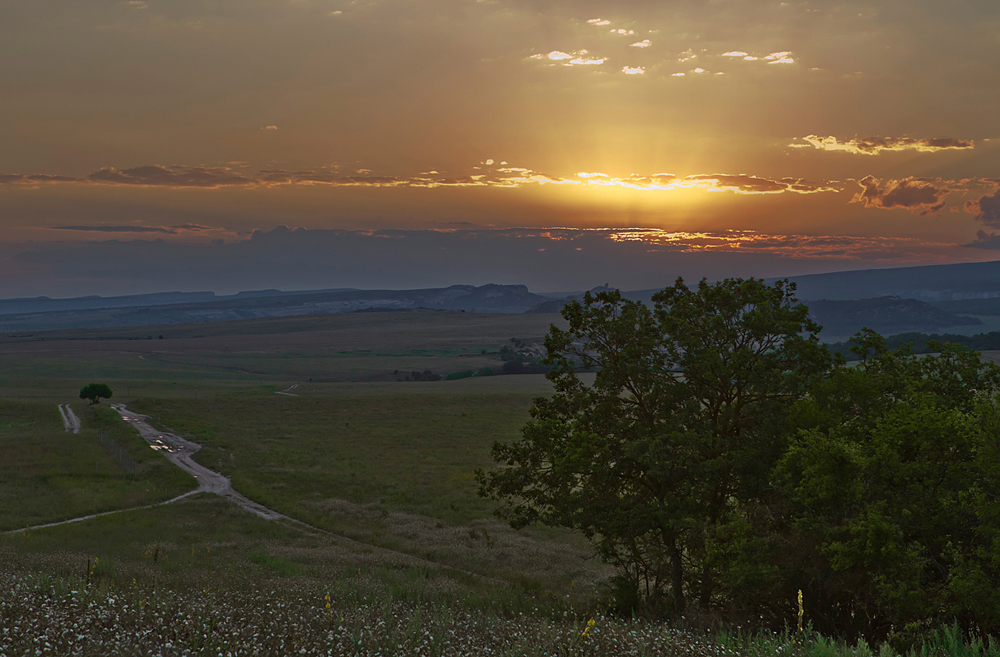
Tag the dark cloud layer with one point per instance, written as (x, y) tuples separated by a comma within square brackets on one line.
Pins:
[(545, 259), (912, 194), (986, 209)]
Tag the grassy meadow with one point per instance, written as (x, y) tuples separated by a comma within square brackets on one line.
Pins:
[(403, 556), (48, 474)]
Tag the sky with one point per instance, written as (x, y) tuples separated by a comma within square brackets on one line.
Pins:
[(227, 145)]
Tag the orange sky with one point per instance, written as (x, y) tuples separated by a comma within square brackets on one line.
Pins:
[(867, 124)]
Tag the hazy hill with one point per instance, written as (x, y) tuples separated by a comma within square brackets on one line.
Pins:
[(485, 298), (976, 280), (839, 319), (45, 304), (887, 315)]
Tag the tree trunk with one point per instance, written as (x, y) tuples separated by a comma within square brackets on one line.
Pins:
[(677, 579)]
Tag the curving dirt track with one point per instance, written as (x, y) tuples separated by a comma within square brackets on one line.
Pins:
[(180, 451), (70, 421)]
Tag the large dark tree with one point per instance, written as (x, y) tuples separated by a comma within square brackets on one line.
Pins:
[(668, 452), (95, 391)]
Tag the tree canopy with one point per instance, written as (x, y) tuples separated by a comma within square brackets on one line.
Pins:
[(722, 457), (893, 473), (95, 392), (676, 436)]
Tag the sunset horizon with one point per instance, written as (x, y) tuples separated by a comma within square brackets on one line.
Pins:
[(160, 146)]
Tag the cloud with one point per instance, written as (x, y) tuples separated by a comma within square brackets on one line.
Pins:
[(172, 176), (745, 184), (576, 58), (782, 57), (488, 174), (913, 194), (645, 43), (176, 229), (599, 21), (633, 70), (686, 56), (119, 229), (875, 145), (985, 240), (34, 180), (836, 247), (270, 127), (622, 31), (586, 61), (986, 209)]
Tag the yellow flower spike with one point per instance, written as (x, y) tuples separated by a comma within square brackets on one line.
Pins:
[(801, 612)]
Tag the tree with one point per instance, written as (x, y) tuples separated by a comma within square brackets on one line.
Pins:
[(95, 391), (671, 449), (892, 486)]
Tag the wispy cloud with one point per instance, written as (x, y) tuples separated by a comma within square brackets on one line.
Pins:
[(835, 247), (176, 229), (782, 57), (645, 43), (740, 184), (575, 58), (876, 145), (779, 58), (171, 176)]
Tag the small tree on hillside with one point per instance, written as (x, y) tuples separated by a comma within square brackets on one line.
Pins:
[(95, 391)]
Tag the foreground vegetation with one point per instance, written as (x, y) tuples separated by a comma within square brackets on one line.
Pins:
[(202, 578), (48, 475)]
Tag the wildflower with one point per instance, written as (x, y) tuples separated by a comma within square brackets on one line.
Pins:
[(801, 612)]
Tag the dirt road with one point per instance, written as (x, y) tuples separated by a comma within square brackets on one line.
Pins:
[(70, 421), (180, 451)]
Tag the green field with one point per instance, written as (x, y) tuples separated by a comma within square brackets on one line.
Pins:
[(49, 475), (412, 559)]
